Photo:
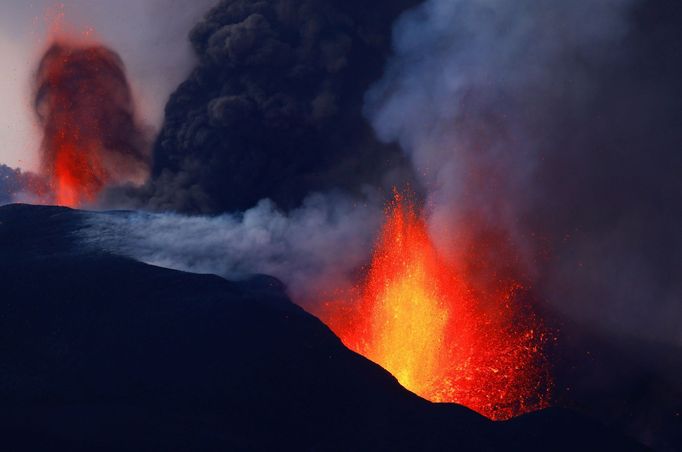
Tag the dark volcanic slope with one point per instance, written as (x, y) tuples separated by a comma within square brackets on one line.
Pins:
[(99, 352)]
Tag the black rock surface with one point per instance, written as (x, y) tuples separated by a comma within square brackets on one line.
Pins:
[(100, 352)]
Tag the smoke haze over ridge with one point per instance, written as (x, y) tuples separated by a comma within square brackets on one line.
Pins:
[(273, 107), (314, 249)]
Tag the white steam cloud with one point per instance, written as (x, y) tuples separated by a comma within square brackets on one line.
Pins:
[(314, 249)]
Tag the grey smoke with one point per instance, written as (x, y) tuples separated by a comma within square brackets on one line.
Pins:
[(19, 186), (319, 247), (469, 84), (10, 183), (539, 117)]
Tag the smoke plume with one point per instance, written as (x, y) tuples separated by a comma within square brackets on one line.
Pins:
[(91, 138), (318, 247), (10, 183), (273, 108), (20, 186), (551, 125)]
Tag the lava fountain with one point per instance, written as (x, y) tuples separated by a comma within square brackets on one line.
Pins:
[(418, 317), (91, 138)]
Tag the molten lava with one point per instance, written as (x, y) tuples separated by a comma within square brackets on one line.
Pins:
[(420, 319), (90, 135)]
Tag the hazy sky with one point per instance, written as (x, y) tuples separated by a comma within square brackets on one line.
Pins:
[(150, 36)]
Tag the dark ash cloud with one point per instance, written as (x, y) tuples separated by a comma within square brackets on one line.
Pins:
[(273, 109)]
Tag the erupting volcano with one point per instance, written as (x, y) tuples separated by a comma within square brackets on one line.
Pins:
[(90, 135), (421, 319)]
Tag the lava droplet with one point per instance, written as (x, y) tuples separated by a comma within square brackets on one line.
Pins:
[(419, 318)]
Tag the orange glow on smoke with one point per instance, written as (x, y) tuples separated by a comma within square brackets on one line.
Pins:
[(84, 103), (73, 133), (78, 174), (418, 318), (72, 163)]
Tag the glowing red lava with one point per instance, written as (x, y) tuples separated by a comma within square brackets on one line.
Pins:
[(91, 137), (421, 320)]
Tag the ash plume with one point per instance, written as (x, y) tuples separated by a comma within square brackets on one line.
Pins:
[(554, 123), (274, 107), (91, 137)]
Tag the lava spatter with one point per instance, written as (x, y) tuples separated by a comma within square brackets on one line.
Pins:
[(91, 138), (419, 318)]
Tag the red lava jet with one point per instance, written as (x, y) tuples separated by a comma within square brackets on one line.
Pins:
[(444, 339), (91, 138)]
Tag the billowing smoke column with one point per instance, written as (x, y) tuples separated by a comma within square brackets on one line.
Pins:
[(273, 108), (91, 138), (546, 137)]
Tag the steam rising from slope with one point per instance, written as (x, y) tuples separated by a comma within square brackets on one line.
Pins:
[(313, 249)]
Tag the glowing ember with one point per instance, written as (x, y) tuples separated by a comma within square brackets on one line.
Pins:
[(420, 320), (91, 138)]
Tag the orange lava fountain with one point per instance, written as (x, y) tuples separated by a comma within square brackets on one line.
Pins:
[(418, 318), (91, 137)]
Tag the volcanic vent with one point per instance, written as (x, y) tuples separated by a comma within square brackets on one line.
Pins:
[(421, 318)]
